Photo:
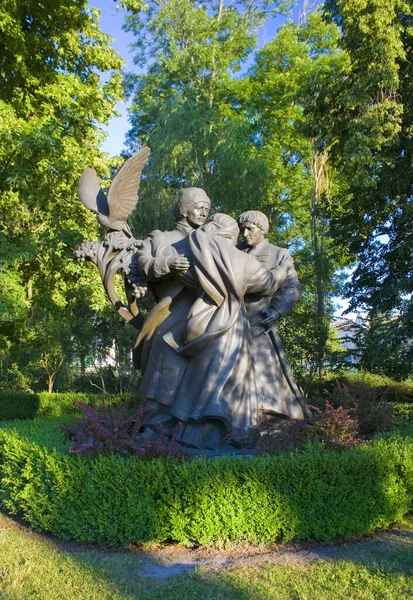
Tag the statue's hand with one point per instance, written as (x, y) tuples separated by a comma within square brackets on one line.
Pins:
[(178, 263), (271, 316)]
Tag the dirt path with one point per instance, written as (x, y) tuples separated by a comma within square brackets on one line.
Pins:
[(163, 562), (169, 561)]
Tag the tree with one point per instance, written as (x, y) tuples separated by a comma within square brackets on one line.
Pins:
[(385, 347), (303, 190), (242, 138), (372, 147), (186, 108), (52, 102)]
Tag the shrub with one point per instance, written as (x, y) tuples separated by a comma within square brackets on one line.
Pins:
[(373, 413), (18, 405), (116, 430), (335, 428), (43, 431), (27, 406), (112, 500), (360, 383), (55, 405), (404, 411)]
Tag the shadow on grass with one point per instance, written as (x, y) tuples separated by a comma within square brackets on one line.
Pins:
[(172, 573)]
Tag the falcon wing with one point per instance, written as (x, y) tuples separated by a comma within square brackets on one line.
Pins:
[(91, 194), (123, 193)]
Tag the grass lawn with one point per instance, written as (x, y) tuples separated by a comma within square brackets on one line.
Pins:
[(43, 431), (34, 566)]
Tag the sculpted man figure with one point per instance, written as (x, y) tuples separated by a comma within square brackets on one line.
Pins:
[(161, 262), (277, 390)]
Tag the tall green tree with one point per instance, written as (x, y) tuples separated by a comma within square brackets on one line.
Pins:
[(303, 191), (52, 103), (372, 146), (385, 346), (241, 136), (186, 105)]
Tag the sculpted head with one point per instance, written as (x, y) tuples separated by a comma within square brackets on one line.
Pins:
[(224, 226), (194, 206), (254, 226)]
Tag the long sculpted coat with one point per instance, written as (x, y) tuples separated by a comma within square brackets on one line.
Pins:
[(218, 392), (277, 390), (162, 368), (196, 349)]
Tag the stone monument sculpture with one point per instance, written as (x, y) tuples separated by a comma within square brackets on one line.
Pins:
[(209, 352), (279, 394)]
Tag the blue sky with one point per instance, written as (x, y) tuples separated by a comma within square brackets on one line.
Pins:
[(111, 20)]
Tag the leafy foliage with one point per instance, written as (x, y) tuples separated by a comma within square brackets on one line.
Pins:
[(317, 495), (404, 410), (52, 103), (186, 106), (27, 406), (373, 412), (317, 134), (105, 431), (371, 134), (362, 384), (241, 137), (334, 428), (303, 185), (385, 343)]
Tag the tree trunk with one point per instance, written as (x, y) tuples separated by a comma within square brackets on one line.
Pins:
[(318, 170)]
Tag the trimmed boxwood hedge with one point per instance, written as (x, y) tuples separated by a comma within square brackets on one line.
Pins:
[(404, 411), (363, 382), (315, 495), (28, 406)]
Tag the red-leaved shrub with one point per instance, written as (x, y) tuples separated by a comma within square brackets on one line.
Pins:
[(335, 428), (116, 430), (373, 412)]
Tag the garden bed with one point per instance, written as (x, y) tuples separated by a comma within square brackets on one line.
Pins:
[(317, 494)]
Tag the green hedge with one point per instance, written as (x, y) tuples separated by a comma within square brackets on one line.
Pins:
[(363, 382), (28, 406), (404, 411), (316, 495)]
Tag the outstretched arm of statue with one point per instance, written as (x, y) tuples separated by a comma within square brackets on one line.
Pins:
[(156, 261), (261, 281)]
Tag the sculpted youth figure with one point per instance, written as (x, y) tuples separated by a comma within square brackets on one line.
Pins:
[(277, 390)]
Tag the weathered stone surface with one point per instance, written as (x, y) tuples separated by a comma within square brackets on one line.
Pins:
[(209, 352)]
